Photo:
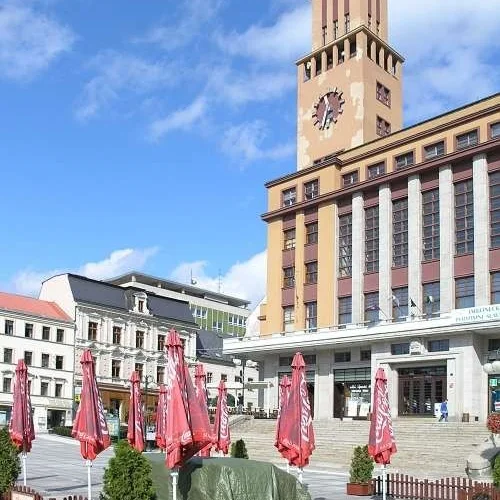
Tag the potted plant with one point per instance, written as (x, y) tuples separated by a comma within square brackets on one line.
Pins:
[(360, 479)]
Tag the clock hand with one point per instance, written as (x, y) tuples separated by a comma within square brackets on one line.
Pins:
[(327, 109)]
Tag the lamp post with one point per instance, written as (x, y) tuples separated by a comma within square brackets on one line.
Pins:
[(146, 380)]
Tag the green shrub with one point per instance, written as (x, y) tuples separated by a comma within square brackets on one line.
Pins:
[(62, 431), (361, 465), (496, 471), (10, 464), (128, 476), (238, 449)]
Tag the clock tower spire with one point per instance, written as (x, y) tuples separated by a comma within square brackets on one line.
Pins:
[(350, 85)]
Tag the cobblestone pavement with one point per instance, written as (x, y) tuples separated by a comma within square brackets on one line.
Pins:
[(56, 469)]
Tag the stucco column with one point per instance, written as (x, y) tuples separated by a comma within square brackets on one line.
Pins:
[(385, 249), (358, 254), (414, 240), (271, 364), (446, 235), (323, 392), (481, 230)]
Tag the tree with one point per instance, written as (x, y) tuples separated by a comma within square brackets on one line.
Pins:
[(128, 476), (10, 464), (496, 471), (361, 465), (239, 450)]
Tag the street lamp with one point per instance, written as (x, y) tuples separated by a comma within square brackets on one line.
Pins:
[(146, 380)]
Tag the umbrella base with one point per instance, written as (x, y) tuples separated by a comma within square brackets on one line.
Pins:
[(360, 489)]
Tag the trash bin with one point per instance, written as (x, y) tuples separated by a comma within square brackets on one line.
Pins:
[(465, 417)]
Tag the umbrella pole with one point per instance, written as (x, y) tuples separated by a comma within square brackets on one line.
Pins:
[(89, 482), (301, 470), (24, 467), (174, 475), (288, 467), (384, 483)]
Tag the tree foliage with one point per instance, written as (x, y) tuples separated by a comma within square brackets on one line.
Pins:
[(10, 464), (362, 465), (238, 449), (496, 471), (128, 476)]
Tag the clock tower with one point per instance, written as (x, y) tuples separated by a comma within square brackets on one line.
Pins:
[(350, 85)]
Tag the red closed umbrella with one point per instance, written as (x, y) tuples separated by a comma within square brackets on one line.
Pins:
[(200, 386), (90, 427), (135, 431), (161, 415), (284, 395), (21, 428), (297, 436), (187, 426), (222, 438), (381, 442)]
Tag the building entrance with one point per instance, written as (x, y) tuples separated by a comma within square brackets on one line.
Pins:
[(420, 389)]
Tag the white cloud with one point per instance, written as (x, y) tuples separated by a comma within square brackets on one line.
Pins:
[(246, 280), (180, 119), (245, 142), (29, 41), (118, 74), (286, 40), (118, 262)]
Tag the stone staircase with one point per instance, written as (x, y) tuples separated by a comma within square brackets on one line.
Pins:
[(426, 447)]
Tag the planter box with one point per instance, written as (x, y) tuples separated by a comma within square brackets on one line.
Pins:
[(360, 489)]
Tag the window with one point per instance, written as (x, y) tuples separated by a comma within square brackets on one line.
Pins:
[(495, 210), (140, 306), (371, 239), (311, 233), (495, 130), (139, 339), (45, 360), (289, 197), (223, 376), (347, 22), (311, 190), (218, 326), (430, 224), (288, 319), (288, 277), (44, 389), (400, 233), (312, 272), (350, 178), (139, 367), (383, 94), (400, 303), (60, 335), (383, 127), (117, 335), (467, 140), (376, 170), (7, 384), (342, 357), (434, 150), (7, 355), (28, 357), (161, 342), (9, 327), (311, 316), (28, 330), (371, 307), (59, 388), (345, 310), (345, 245), (397, 349), (115, 368), (438, 345), (405, 160), (45, 333), (493, 344), (59, 362), (210, 377), (365, 355), (160, 374), (289, 239), (92, 331), (464, 292), (431, 298), (495, 288), (464, 218), (335, 29)]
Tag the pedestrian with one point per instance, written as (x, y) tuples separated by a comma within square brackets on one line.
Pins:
[(444, 411)]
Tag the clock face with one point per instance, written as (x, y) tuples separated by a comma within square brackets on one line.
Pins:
[(327, 109)]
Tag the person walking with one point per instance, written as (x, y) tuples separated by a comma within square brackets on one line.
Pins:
[(444, 411)]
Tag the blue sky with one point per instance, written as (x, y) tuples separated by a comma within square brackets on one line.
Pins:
[(140, 134)]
